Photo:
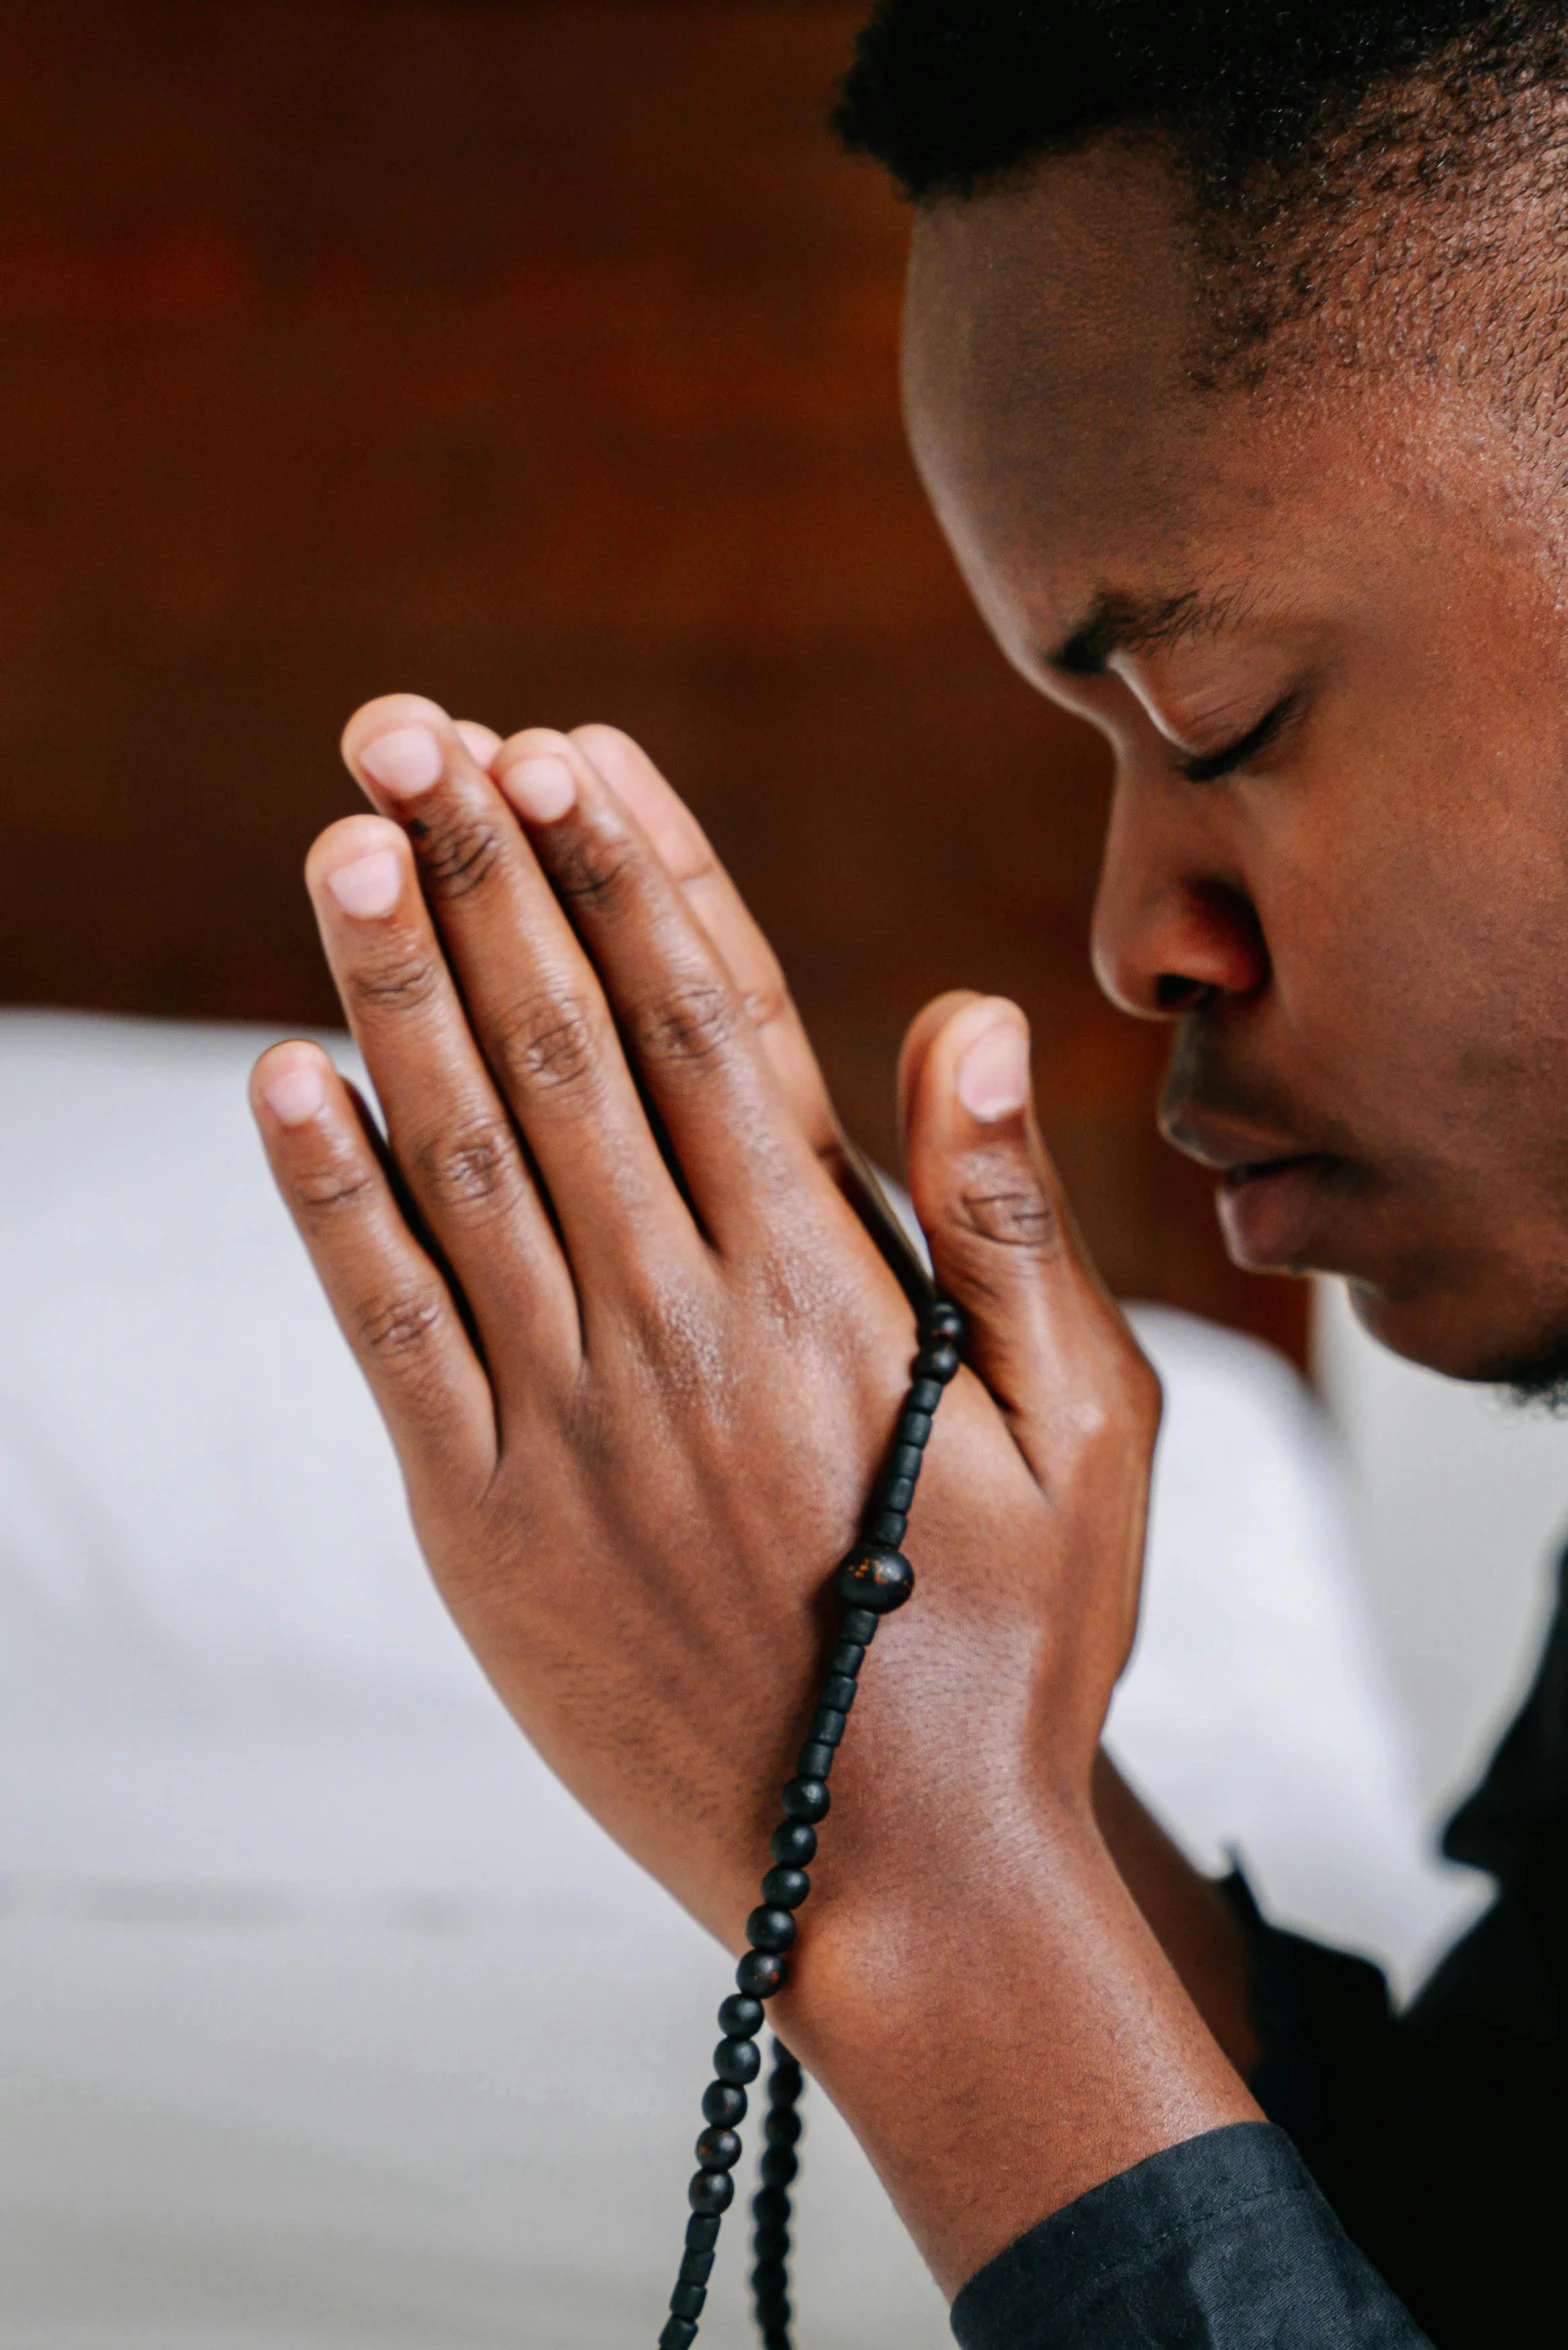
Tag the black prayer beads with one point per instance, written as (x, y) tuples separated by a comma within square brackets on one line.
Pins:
[(871, 1580), (770, 2208)]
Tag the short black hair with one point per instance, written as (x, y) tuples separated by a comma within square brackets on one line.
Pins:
[(952, 94), (1390, 176)]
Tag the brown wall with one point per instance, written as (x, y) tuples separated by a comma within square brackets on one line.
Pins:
[(540, 358)]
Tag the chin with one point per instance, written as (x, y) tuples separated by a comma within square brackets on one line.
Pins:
[(1471, 1339)]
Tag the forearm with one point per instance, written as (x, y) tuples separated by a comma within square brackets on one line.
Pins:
[(1002, 2031), (1186, 1912)]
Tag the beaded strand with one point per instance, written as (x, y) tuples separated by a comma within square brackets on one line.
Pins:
[(770, 2206), (871, 1580)]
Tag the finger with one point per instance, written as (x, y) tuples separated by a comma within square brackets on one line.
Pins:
[(740, 1149), (531, 995), (679, 841), (480, 742), (683, 847), (1042, 1332), (448, 1129), (391, 1302)]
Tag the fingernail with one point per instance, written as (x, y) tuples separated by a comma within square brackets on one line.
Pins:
[(406, 761), (296, 1093), (541, 788), (993, 1076), (371, 885)]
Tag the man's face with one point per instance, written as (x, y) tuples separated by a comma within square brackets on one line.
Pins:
[(1328, 647)]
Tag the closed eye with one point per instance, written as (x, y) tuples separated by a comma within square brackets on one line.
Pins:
[(1209, 766)]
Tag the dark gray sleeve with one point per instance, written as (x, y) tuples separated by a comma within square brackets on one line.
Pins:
[(1222, 2243), (1436, 2133)]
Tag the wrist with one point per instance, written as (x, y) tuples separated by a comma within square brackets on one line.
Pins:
[(896, 1936), (1000, 2030)]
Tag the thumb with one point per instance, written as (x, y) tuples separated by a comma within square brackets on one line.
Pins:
[(1043, 1333)]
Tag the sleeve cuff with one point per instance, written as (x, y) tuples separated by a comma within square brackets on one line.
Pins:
[(1223, 2240)]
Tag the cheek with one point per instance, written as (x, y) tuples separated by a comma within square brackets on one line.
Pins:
[(1416, 912)]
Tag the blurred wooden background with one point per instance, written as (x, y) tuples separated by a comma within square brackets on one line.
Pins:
[(540, 358)]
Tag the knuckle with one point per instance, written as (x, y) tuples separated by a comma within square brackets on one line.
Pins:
[(690, 1023), (549, 1041), (457, 854), (677, 1337), (400, 979), (470, 1168), (1117, 1413), (1017, 1216), (321, 1193), (793, 1304), (591, 868), (1143, 1393), (768, 1001), (398, 1326)]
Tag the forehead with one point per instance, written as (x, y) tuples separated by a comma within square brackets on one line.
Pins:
[(1071, 456), (1079, 274), (1046, 325)]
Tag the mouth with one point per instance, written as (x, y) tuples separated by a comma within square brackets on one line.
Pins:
[(1269, 1209), (1282, 1208)]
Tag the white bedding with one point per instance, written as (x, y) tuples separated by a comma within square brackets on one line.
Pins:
[(326, 2017)]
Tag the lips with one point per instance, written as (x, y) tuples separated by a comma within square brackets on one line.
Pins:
[(1253, 1170), (1272, 1196), (1271, 1211)]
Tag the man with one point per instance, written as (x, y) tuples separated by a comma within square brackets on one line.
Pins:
[(1234, 369)]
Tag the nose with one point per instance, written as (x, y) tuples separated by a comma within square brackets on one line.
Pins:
[(1172, 925)]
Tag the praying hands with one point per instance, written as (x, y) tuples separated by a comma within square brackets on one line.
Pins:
[(640, 1360)]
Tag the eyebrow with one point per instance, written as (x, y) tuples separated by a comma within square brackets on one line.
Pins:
[(1117, 623)]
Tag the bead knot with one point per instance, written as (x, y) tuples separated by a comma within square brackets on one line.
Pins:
[(874, 1576)]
